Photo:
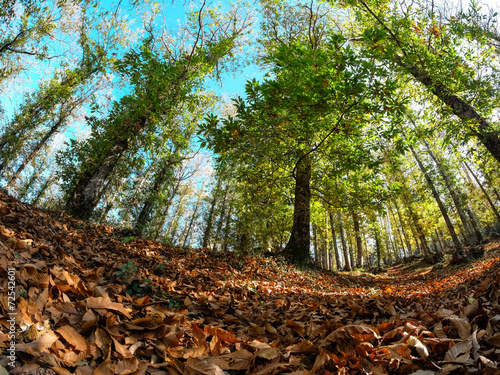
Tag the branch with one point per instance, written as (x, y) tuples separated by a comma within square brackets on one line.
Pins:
[(325, 138)]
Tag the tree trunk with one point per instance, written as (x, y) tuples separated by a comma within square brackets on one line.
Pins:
[(226, 229), (454, 193), (475, 224), (359, 243), (407, 241), (317, 257), (298, 246), (174, 224), (41, 143), (345, 250), (416, 229), (485, 131), (440, 241), (459, 253), (193, 218), (221, 216), (85, 196), (164, 216), (334, 241), (377, 244), (493, 208), (208, 229), (43, 189), (151, 197), (34, 177)]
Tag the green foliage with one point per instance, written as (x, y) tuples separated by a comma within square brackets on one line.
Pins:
[(174, 302), (126, 270), (129, 239), (159, 269), (139, 288)]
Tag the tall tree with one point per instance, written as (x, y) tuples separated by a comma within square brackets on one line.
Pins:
[(317, 91), (420, 43), (163, 80)]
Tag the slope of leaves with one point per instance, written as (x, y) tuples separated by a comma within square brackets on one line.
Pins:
[(91, 302)]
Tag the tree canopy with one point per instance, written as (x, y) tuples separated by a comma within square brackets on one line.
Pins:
[(370, 136)]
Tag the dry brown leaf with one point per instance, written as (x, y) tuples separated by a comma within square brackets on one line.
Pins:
[(127, 366), (39, 346), (201, 366), (304, 346), (74, 338), (105, 368), (106, 304), (269, 354), (238, 360)]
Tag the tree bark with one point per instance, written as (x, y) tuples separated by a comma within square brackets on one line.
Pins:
[(208, 229), (334, 241), (226, 229), (317, 257), (345, 250), (85, 196), (298, 246), (221, 216), (474, 224), (459, 253), (493, 208), (407, 241), (463, 110), (147, 207), (191, 222), (455, 195), (359, 243)]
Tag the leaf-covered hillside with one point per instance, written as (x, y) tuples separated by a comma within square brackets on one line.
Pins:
[(90, 300)]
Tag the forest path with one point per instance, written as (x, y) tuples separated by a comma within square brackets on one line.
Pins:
[(90, 301)]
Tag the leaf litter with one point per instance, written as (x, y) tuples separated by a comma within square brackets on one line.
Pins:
[(88, 303)]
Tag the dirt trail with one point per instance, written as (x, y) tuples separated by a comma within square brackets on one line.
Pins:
[(90, 302)]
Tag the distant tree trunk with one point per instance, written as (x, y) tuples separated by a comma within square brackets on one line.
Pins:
[(152, 195), (298, 246), (351, 250), (493, 208), (359, 243), (347, 263), (42, 190), (327, 255), (227, 229), (454, 193), (407, 241), (391, 251), (208, 228), (489, 138), (221, 216), (402, 243), (440, 241), (398, 234), (317, 256), (164, 215), (61, 121), (378, 245), (459, 253), (417, 229), (475, 224), (33, 178), (174, 224), (334, 241), (191, 221), (489, 181), (85, 196)]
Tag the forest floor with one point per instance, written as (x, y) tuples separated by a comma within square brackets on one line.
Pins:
[(90, 301)]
